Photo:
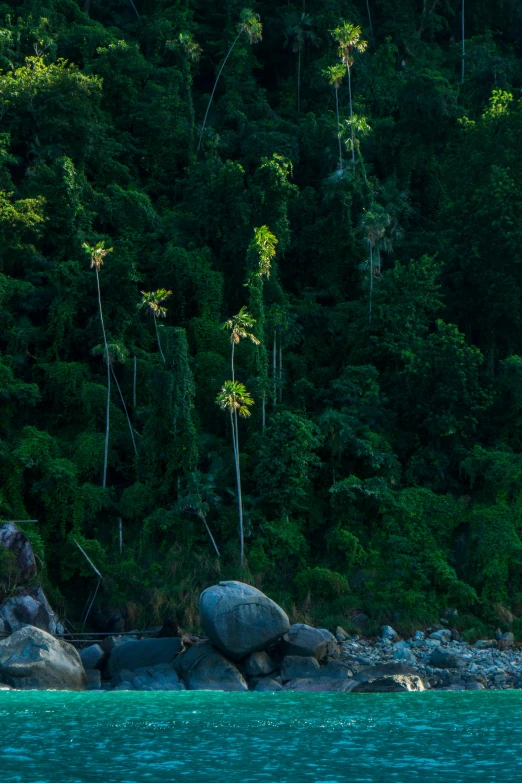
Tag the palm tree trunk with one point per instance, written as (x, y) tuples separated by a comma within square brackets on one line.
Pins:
[(134, 378), (263, 411), (463, 40), (280, 371), (274, 354), (238, 484), (210, 534), (232, 363), (107, 414), (214, 90), (371, 279), (338, 128), (158, 338), (370, 23), (299, 80), (351, 113), (125, 409)]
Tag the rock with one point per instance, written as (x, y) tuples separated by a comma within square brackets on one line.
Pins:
[(33, 659), (401, 646), (383, 670), (444, 659), (444, 636), (336, 669), (238, 619), (484, 644), (5, 687), (393, 683), (387, 632), (320, 684), (124, 686), (432, 642), (28, 606), (296, 667), (418, 636), (360, 620), (404, 654), (309, 642), (475, 686), (93, 679), (110, 642), (144, 652), (92, 657), (506, 639), (203, 668), (259, 664), (267, 684), (340, 634), (450, 613), (17, 542)]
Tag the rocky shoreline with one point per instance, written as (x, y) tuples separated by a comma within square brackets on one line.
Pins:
[(251, 646)]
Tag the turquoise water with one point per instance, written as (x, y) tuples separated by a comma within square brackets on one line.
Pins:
[(148, 737)]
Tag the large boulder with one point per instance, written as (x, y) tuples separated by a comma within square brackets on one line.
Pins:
[(31, 659), (296, 667), (309, 642), (444, 659), (92, 657), (203, 668), (320, 684), (383, 670), (392, 683), (28, 606), (239, 620), (17, 542), (267, 685), (142, 653)]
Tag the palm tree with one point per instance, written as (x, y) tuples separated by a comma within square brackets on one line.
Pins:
[(249, 25), (299, 33), (335, 75), (197, 497), (348, 36), (189, 52), (463, 21), (235, 399), (375, 223), (153, 300), (118, 352), (238, 326), (97, 255)]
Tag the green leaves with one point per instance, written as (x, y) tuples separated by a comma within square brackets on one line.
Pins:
[(235, 398)]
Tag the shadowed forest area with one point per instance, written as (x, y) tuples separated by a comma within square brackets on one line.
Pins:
[(268, 326)]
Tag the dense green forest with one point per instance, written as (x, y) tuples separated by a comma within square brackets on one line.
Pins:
[(261, 303)]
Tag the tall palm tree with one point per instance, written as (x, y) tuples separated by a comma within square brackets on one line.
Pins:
[(463, 27), (235, 399), (118, 352), (299, 33), (249, 25), (97, 254), (374, 224), (335, 75), (348, 36), (238, 326), (189, 51), (197, 497), (153, 302)]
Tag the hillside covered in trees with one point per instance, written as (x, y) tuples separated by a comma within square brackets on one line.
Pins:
[(261, 303)]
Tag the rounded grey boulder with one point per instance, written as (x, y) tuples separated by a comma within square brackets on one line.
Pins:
[(309, 642), (31, 659), (239, 620)]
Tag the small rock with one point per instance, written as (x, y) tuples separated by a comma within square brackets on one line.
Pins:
[(203, 668), (340, 634), (418, 636), (404, 654), (92, 657), (475, 686), (444, 636), (393, 683), (259, 664), (388, 633), (484, 644), (320, 685), (451, 613)]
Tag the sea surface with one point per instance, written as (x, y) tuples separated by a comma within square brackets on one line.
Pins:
[(148, 737)]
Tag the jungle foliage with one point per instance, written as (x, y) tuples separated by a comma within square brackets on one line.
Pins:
[(261, 302)]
